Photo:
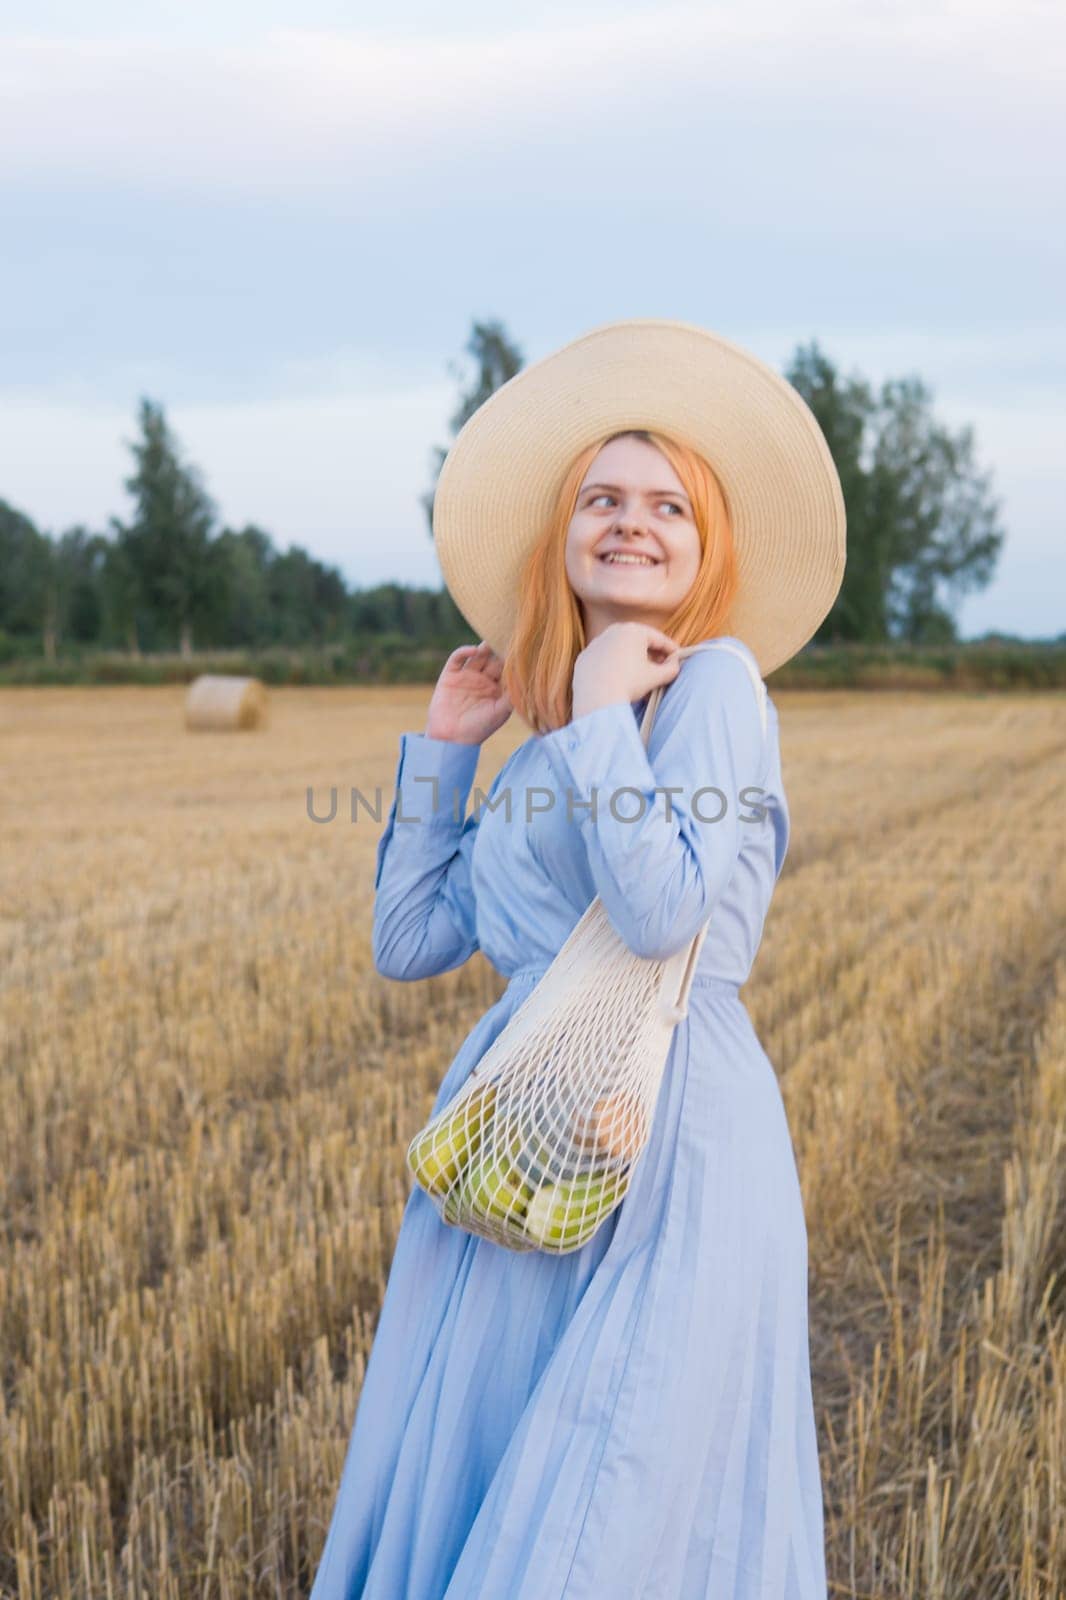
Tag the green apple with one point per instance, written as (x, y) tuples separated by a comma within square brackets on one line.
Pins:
[(477, 1108), (435, 1163), (494, 1187), (568, 1214), (438, 1157)]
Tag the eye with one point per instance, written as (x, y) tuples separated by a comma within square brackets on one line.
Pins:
[(678, 508)]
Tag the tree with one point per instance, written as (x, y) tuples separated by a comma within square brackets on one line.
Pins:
[(240, 611), (84, 557), (25, 562), (72, 604), (120, 595), (498, 360), (921, 528), (308, 600), (926, 487), (166, 548), (50, 588)]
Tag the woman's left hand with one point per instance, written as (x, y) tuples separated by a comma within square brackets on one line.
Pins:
[(623, 663)]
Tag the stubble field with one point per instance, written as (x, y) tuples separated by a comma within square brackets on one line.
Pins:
[(206, 1094)]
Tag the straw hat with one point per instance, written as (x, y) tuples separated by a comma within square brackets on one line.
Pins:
[(501, 476)]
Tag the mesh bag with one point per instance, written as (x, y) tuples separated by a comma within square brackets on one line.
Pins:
[(539, 1145)]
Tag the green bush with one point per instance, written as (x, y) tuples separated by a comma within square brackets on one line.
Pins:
[(392, 658)]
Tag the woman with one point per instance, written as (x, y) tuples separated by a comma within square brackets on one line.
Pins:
[(634, 1418)]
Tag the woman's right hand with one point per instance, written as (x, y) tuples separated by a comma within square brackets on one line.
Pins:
[(469, 702)]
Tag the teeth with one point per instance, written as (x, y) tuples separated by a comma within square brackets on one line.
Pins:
[(630, 561)]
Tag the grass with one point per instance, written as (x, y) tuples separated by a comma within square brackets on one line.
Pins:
[(208, 1092)]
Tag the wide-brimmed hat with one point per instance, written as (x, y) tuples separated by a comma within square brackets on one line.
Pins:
[(500, 479)]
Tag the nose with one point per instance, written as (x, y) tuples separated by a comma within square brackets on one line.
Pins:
[(629, 524)]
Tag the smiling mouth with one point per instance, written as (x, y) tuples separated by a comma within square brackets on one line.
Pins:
[(614, 558)]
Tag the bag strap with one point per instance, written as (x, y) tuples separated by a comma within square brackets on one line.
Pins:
[(689, 649)]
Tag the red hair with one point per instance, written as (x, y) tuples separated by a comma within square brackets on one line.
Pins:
[(549, 633)]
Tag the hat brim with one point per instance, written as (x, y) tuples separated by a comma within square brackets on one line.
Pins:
[(499, 481)]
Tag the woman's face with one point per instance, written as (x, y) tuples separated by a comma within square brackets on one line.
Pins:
[(631, 502)]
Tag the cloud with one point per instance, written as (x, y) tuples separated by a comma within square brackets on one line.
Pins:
[(297, 111), (282, 233)]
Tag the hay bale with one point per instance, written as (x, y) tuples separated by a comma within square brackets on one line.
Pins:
[(222, 703)]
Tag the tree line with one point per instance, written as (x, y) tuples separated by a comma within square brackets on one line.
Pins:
[(923, 530), (169, 579)]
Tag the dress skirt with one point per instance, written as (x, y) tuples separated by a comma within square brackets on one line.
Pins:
[(631, 1421)]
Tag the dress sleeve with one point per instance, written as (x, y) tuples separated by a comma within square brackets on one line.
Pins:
[(424, 911), (668, 822)]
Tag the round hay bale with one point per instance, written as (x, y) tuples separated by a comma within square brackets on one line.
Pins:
[(218, 703)]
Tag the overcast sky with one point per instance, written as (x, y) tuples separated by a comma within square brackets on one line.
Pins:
[(280, 222)]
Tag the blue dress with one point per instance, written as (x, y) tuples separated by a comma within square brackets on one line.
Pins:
[(633, 1420)]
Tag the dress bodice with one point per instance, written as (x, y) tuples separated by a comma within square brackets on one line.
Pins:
[(692, 829)]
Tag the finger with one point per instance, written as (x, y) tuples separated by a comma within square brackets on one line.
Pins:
[(668, 668), (460, 657)]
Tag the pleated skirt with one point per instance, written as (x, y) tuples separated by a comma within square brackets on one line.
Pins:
[(632, 1421)]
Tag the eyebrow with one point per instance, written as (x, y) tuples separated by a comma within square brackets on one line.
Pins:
[(652, 494)]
